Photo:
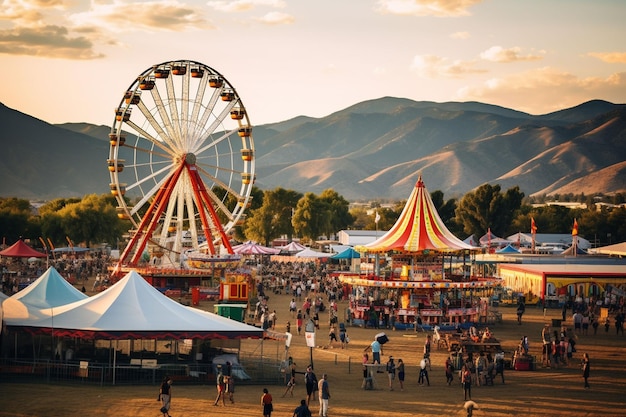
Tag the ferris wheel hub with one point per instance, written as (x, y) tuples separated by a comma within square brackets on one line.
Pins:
[(190, 158)]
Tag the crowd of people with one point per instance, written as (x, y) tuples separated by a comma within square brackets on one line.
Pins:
[(18, 273)]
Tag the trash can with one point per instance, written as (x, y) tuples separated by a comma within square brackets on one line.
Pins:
[(232, 311), (195, 296)]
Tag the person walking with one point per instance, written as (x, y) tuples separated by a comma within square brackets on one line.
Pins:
[(585, 368), (367, 380), (376, 349), (266, 403), (302, 410), (292, 380), (230, 388), (220, 384), (400, 369), (391, 372), (324, 395), (466, 382), (424, 371), (449, 371), (310, 382), (165, 395), (521, 309)]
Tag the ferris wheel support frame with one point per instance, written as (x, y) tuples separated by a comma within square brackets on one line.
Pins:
[(202, 196), (149, 223), (141, 237)]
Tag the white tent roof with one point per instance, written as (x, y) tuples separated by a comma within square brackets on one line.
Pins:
[(253, 248), (132, 308), (310, 253), (616, 249), (49, 290), (292, 247)]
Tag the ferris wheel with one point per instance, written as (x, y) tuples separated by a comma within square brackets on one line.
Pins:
[(181, 161)]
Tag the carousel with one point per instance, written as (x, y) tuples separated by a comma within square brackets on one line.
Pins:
[(418, 275)]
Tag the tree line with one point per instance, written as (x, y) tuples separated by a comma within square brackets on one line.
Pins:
[(280, 212)]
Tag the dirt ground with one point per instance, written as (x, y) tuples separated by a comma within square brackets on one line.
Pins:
[(542, 392)]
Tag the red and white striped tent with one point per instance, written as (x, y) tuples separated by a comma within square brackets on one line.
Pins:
[(292, 247), (253, 248), (419, 228)]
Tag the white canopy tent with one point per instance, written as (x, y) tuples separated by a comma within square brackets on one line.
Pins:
[(310, 253), (132, 308), (48, 291)]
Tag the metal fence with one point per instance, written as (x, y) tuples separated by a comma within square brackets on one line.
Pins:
[(259, 370)]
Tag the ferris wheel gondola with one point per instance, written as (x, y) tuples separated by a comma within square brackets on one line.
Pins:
[(181, 161)]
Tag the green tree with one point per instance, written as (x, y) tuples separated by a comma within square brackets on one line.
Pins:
[(255, 201), (52, 229), (17, 220), (487, 207), (338, 210), (446, 209), (258, 226), (93, 219), (311, 218), (273, 218), (360, 218)]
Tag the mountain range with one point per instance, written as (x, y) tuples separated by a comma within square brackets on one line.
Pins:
[(373, 150)]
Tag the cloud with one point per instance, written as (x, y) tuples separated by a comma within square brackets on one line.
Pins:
[(46, 41), (47, 28), (437, 8), (169, 15), (20, 12), (502, 55), (244, 5), (433, 66), (276, 18), (545, 90), (460, 35), (610, 57)]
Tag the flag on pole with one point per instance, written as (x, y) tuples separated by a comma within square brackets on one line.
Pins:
[(575, 228), (533, 226), (377, 218)]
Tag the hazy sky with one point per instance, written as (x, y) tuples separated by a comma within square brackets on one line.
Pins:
[(71, 60)]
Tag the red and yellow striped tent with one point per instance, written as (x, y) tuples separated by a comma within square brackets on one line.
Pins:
[(419, 228)]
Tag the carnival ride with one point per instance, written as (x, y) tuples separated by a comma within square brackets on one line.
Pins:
[(417, 245), (181, 164)]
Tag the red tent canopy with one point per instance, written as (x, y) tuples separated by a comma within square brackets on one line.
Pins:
[(21, 250), (418, 228)]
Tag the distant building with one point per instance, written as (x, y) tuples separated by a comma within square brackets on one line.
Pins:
[(567, 204), (358, 237)]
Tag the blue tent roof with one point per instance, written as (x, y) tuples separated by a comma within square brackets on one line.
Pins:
[(508, 249), (347, 254)]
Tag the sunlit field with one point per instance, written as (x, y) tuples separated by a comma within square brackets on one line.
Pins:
[(542, 392)]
